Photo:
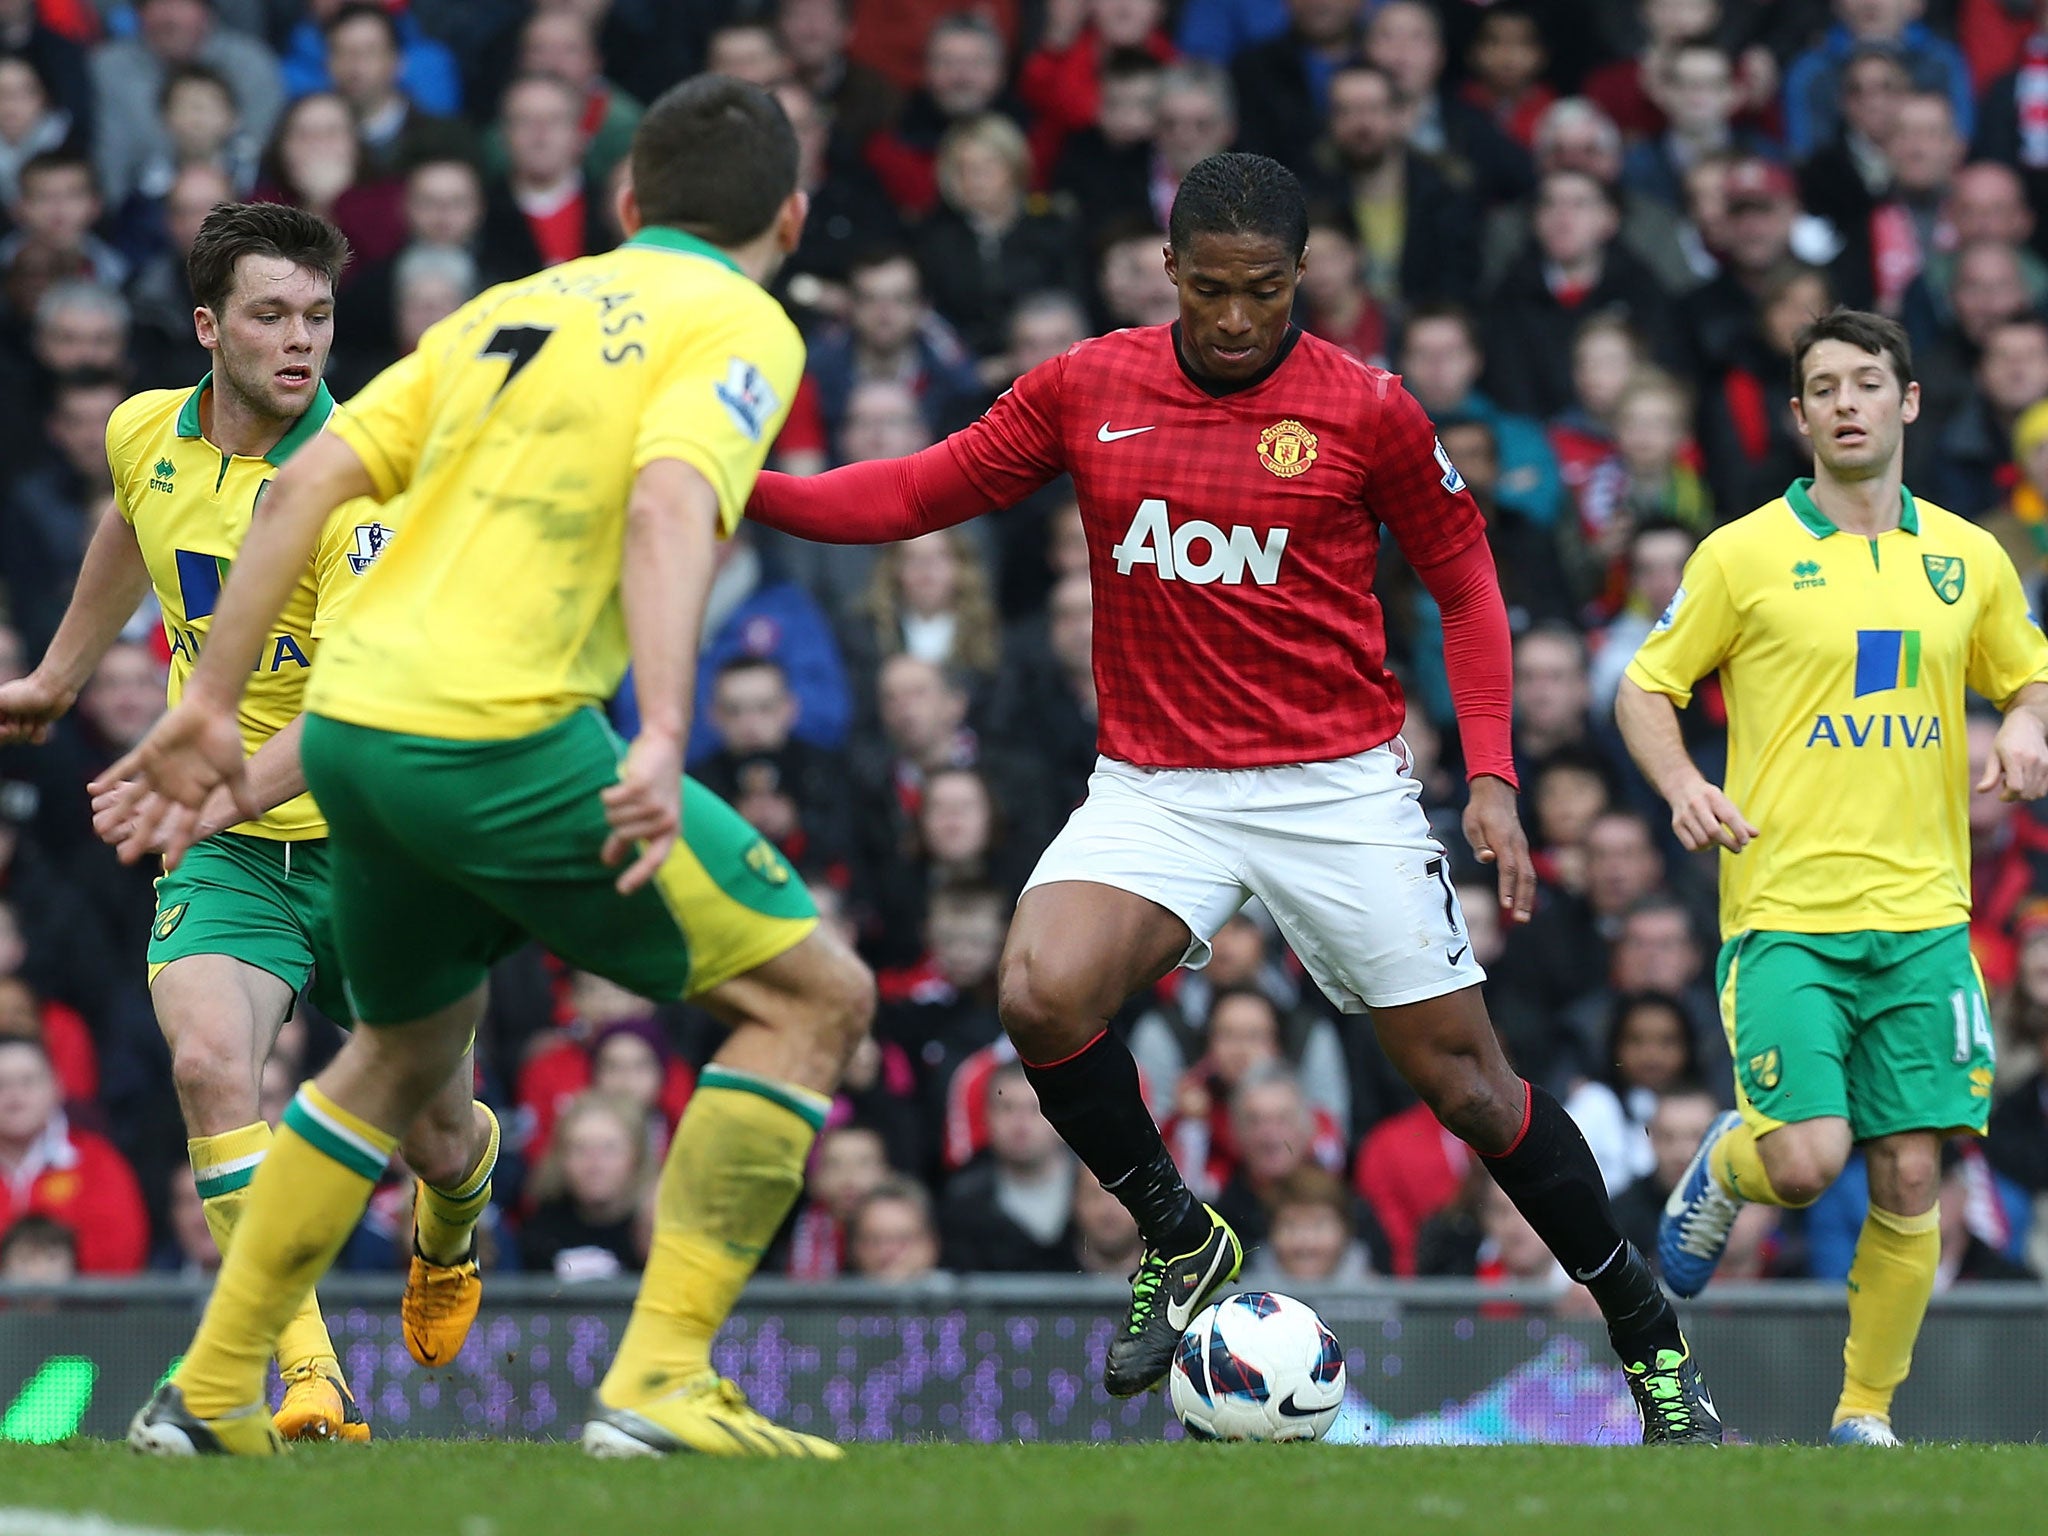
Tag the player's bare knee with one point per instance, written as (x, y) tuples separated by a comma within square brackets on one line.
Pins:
[(1800, 1172), (844, 1006), (438, 1151), (1905, 1174), (1468, 1103), (1047, 1009), (216, 1083)]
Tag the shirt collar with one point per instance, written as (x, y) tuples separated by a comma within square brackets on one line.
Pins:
[(663, 237), (302, 431), (1799, 496)]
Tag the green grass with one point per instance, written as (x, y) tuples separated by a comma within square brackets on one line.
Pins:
[(495, 1489)]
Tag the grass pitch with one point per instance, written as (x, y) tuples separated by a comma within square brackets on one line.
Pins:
[(497, 1489)]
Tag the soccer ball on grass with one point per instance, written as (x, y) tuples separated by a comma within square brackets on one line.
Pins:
[(1257, 1366)]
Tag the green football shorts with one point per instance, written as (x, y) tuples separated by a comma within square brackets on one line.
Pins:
[(449, 854), (256, 900), (1889, 1031)]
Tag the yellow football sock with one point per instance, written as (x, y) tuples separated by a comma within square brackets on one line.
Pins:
[(734, 1171), (1889, 1283), (222, 1167), (304, 1202), (1738, 1168), (445, 1219)]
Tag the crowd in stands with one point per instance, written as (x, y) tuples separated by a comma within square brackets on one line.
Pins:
[(1585, 231)]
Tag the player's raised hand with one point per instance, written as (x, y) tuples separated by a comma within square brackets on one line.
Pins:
[(2018, 768), (29, 706), (1703, 816), (644, 807), (116, 813), (1494, 829), (193, 751)]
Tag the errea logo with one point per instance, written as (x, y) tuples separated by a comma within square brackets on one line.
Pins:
[(163, 472), (1198, 551), (1806, 573)]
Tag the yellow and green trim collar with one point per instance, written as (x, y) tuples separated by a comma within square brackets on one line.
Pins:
[(303, 431), (1799, 497), (665, 237)]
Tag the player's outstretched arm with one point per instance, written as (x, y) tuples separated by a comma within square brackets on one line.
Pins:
[(197, 747), (274, 777), (112, 583), (664, 582), (1700, 813), (877, 502), (2018, 769)]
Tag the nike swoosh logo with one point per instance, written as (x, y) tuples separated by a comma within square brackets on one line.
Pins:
[(1288, 1409), (1181, 1315), (1104, 435), (1459, 953)]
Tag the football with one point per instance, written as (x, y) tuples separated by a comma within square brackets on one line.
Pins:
[(1258, 1366)]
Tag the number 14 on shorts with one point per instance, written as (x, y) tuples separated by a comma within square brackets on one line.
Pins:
[(1973, 1025)]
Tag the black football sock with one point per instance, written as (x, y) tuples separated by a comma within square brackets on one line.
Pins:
[(1551, 1175), (1095, 1102)]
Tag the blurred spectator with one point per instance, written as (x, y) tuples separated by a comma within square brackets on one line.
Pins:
[(1576, 268), (1106, 1239), (1043, 701), (1334, 301), (2022, 523), (1677, 1126), (1524, 550), (942, 1013), (849, 212), (38, 1250), (558, 44), (1484, 1237), (1042, 326), (544, 210), (890, 335), (1650, 1052), (1409, 1168), (30, 122), (631, 1061), (1505, 64), (1986, 204), (1624, 88), (856, 99), (1657, 552), (1417, 233), (52, 241), (1198, 117), (188, 1247), (1310, 1240), (1973, 454), (1011, 1210), (1105, 169), (162, 297), (1552, 696), (128, 76), (1283, 85), (427, 71), (753, 612), (790, 790), (1843, 178), (1882, 255), (1219, 30), (60, 62), (847, 1164), (59, 1030), (2009, 125), (50, 510), (965, 65), (1974, 1231), (1276, 1135), (1650, 477), (1606, 354), (1061, 83), (891, 1235), (749, 50), (71, 1177), (559, 1062), (591, 1190), (1575, 135), (1694, 84), (203, 128), (1131, 284), (989, 240), (1762, 204), (1406, 39), (929, 597), (365, 57), (1813, 80), (1655, 947), (1571, 790), (1441, 363), (314, 161), (1748, 437), (2008, 922)]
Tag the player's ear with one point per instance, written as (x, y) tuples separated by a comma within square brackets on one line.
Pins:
[(1909, 408), (205, 327), (789, 220), (628, 207), (1799, 417), (1172, 266)]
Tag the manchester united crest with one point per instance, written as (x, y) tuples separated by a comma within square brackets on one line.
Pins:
[(1287, 448)]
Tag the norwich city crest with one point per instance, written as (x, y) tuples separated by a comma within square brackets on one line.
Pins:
[(1764, 1070), (167, 920), (1945, 575), (1287, 448)]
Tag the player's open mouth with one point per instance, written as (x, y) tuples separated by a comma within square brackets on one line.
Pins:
[(1233, 354), (295, 376), (1850, 435)]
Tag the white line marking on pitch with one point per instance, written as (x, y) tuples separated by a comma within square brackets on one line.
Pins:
[(53, 1522)]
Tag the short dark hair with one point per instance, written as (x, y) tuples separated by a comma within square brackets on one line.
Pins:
[(1857, 328), (1469, 423), (196, 74), (51, 160), (234, 230), (716, 157), (1446, 309), (1129, 64), (738, 664), (39, 1232), (1628, 1003), (1240, 194), (363, 10), (76, 379)]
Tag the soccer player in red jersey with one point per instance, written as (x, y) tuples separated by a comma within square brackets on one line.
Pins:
[(1234, 475)]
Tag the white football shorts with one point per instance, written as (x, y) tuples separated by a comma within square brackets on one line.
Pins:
[(1340, 853)]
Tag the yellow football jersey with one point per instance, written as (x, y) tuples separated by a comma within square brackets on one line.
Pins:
[(190, 505), (1844, 660), (516, 430)]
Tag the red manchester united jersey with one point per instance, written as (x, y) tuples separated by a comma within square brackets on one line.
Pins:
[(1232, 539)]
